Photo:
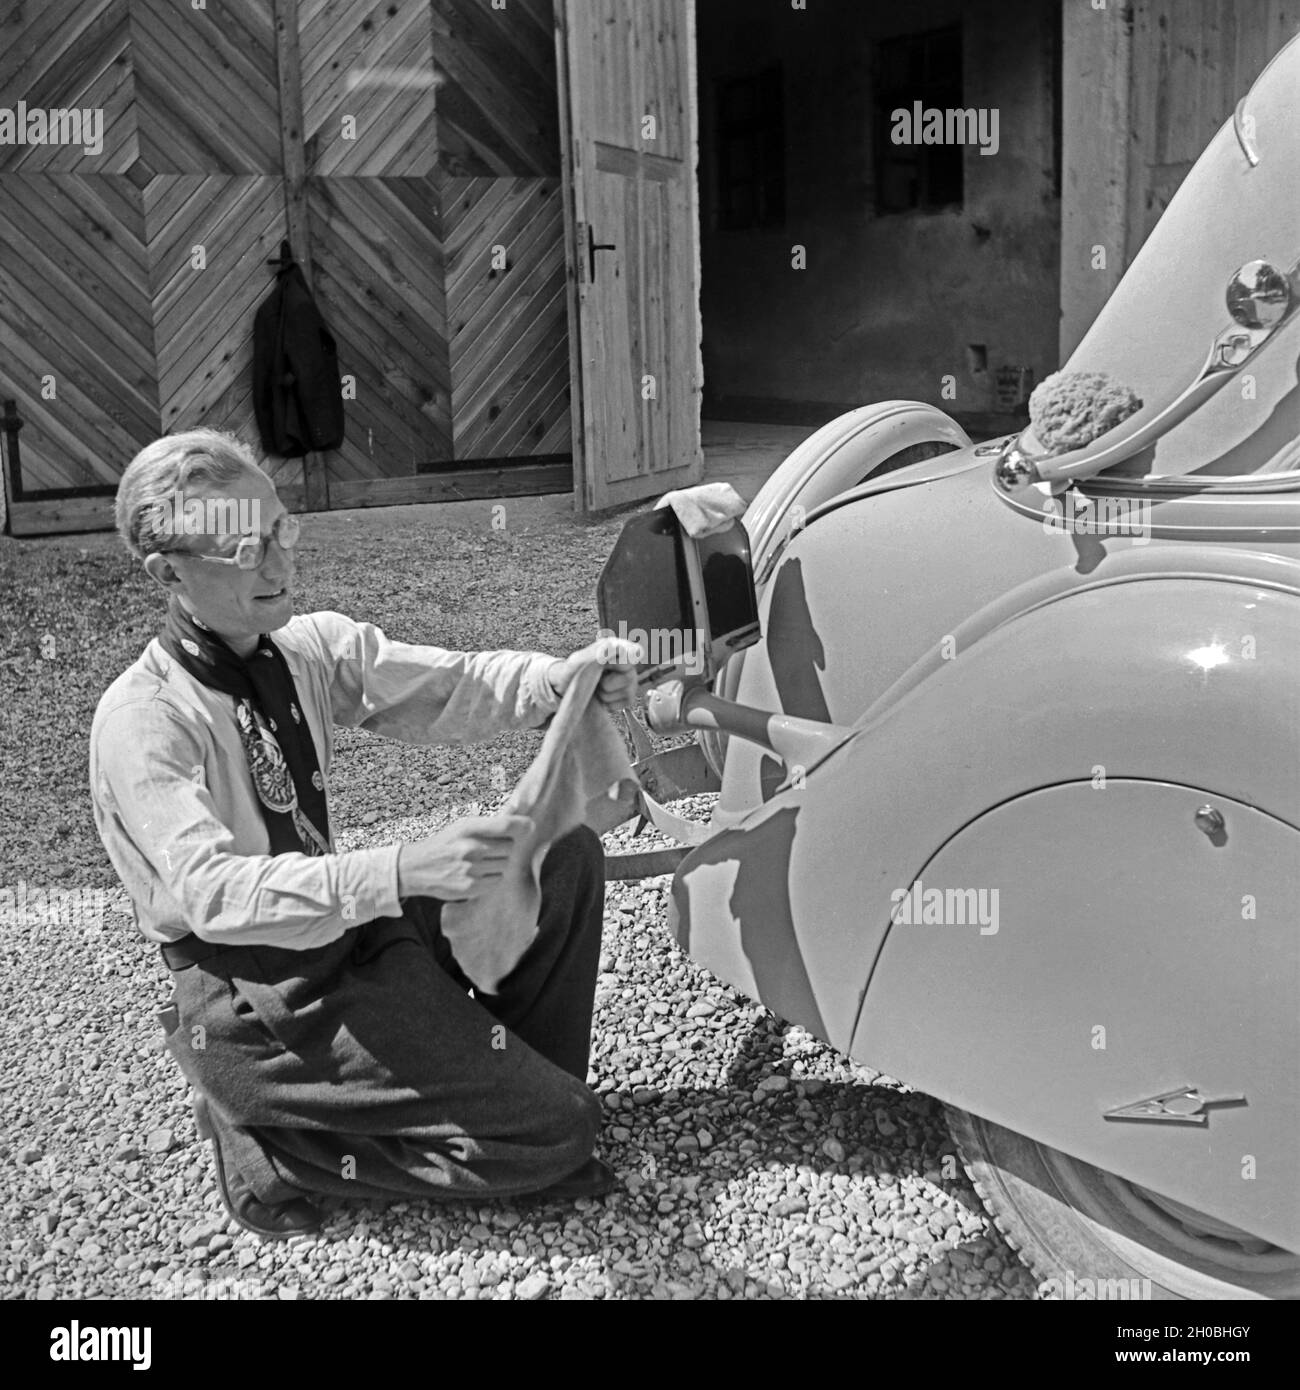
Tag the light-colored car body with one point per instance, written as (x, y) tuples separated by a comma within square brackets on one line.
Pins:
[(1069, 692)]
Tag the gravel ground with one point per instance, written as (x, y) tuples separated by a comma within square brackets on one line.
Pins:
[(755, 1161)]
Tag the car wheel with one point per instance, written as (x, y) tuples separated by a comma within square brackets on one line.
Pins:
[(1086, 1233)]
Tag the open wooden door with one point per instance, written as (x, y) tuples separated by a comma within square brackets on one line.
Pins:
[(628, 113)]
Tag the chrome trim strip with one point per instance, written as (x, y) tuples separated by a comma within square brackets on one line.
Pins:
[(1238, 129), (1232, 349)]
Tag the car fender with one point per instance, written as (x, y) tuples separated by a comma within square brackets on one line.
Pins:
[(1164, 679), (837, 457), (1144, 955), (863, 445)]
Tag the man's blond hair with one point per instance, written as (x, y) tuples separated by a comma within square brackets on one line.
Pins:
[(165, 468)]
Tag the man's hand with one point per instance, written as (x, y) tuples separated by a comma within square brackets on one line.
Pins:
[(617, 688), (461, 862)]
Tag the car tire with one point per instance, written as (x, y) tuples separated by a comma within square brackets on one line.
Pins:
[(1085, 1233)]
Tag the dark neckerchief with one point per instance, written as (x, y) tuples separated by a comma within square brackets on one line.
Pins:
[(272, 727)]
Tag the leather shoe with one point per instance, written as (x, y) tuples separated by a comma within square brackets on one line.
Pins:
[(594, 1179), (270, 1220)]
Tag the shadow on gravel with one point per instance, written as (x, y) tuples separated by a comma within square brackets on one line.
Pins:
[(779, 1139), (808, 1188)]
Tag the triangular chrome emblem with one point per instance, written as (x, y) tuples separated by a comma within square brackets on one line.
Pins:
[(1185, 1106)]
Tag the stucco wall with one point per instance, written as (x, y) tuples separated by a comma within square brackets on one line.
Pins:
[(887, 306)]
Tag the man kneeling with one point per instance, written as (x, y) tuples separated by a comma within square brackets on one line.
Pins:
[(330, 1037)]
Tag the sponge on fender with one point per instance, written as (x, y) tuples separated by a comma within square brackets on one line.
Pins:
[(1068, 410)]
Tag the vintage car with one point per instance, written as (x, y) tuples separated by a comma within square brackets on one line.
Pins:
[(1010, 784)]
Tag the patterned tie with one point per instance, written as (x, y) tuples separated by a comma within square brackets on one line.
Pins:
[(278, 744)]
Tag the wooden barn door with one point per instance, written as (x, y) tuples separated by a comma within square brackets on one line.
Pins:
[(627, 100)]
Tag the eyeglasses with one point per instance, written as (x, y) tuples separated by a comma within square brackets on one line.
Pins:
[(251, 550)]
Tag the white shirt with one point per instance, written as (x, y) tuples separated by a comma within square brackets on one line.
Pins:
[(175, 805)]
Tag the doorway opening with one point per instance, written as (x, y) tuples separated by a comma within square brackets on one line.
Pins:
[(843, 263)]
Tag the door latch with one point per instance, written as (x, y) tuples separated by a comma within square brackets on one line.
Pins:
[(592, 247)]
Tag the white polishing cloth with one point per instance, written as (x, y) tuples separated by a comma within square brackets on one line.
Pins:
[(704, 510), (581, 758)]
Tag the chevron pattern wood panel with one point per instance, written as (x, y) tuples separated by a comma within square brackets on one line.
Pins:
[(369, 62), (377, 246), (455, 110), (70, 54), (206, 99), (203, 317), (76, 330), (509, 328), (498, 104)]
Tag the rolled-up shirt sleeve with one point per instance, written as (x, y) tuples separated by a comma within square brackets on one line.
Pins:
[(179, 861), (423, 694)]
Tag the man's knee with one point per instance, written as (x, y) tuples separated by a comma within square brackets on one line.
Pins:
[(573, 876), (579, 852), (566, 1124), (584, 1126)]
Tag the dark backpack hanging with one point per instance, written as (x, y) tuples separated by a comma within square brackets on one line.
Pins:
[(297, 393)]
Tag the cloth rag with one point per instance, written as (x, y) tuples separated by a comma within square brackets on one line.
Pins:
[(704, 510), (575, 779)]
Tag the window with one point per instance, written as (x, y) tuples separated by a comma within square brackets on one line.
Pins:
[(923, 68), (751, 152)]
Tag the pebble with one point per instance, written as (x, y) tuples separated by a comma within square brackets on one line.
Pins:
[(838, 1183), (532, 1287)]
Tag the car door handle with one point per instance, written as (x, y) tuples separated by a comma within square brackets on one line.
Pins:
[(592, 247)]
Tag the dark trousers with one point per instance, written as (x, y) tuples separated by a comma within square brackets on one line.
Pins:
[(364, 1069)]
